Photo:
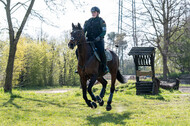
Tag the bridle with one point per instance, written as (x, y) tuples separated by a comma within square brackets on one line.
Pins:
[(76, 41)]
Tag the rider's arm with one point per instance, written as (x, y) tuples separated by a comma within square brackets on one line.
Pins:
[(85, 27), (103, 25)]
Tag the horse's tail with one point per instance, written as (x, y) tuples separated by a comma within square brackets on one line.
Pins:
[(121, 78)]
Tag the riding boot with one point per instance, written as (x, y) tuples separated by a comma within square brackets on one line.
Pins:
[(101, 51), (104, 63)]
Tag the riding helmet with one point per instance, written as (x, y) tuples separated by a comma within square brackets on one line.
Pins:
[(95, 9)]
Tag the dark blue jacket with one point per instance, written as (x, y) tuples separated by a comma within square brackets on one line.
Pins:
[(95, 27)]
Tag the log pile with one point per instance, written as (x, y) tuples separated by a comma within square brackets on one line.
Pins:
[(168, 86)]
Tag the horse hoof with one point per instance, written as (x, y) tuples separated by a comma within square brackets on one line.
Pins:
[(89, 103), (108, 107), (101, 103), (100, 100), (94, 105)]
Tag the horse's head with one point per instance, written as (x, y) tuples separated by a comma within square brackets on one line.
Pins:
[(76, 35)]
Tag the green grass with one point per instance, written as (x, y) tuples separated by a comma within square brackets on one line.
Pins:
[(184, 85), (25, 107)]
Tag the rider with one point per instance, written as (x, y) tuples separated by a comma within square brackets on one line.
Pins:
[(95, 28)]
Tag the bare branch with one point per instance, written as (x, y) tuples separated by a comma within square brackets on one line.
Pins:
[(150, 41), (9, 21), (53, 6), (19, 3), (24, 21), (152, 18), (3, 2), (42, 18), (158, 13)]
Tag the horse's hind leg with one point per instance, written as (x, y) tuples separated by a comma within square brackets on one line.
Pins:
[(112, 89), (104, 84), (102, 93)]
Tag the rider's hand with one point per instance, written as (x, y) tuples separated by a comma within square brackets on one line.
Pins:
[(97, 38)]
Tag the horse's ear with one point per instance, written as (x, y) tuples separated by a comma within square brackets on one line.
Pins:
[(79, 26), (73, 26)]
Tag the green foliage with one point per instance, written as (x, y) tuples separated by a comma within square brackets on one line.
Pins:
[(3, 60), (174, 75), (41, 63), (180, 55), (129, 67)]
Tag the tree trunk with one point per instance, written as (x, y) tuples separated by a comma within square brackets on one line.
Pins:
[(61, 78), (165, 67), (10, 66), (50, 83), (65, 70)]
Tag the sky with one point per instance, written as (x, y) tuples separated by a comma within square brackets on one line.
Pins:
[(63, 19)]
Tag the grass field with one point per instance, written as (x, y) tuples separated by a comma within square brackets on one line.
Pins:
[(25, 107)]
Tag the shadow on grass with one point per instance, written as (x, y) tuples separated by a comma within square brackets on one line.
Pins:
[(10, 101), (45, 102), (154, 97), (115, 118), (12, 98)]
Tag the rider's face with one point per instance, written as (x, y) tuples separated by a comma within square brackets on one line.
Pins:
[(94, 14)]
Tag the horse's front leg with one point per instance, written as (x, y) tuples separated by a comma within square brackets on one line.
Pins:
[(91, 83), (83, 85), (88, 102)]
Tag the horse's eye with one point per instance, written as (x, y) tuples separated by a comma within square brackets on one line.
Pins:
[(72, 38)]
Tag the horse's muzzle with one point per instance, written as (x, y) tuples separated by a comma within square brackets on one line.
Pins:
[(71, 45)]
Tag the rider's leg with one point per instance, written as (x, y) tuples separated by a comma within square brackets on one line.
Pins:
[(100, 47)]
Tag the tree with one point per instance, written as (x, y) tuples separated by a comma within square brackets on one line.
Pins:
[(118, 41), (166, 18), (14, 34), (111, 40), (13, 39), (121, 44), (41, 63)]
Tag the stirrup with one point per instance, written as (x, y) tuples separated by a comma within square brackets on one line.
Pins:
[(106, 70)]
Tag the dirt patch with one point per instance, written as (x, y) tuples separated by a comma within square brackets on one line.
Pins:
[(53, 91)]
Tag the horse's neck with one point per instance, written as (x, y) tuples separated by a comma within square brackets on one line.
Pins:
[(83, 53)]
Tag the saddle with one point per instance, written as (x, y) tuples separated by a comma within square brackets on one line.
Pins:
[(107, 53)]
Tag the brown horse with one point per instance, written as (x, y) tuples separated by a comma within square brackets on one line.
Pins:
[(89, 68)]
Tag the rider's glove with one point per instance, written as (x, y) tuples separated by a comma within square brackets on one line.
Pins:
[(97, 38)]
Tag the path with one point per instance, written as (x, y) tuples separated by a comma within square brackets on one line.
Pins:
[(185, 89), (53, 91)]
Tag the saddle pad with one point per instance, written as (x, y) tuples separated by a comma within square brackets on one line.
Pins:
[(108, 55)]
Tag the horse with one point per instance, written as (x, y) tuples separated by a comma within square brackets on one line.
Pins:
[(89, 68)]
